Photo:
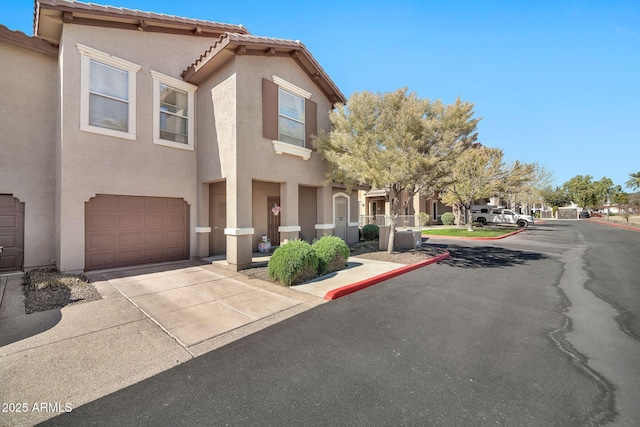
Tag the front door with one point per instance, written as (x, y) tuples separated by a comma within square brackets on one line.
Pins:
[(341, 217), (217, 218), (11, 233), (219, 223), (274, 220)]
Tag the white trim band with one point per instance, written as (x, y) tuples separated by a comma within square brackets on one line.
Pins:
[(353, 224), (284, 148), (289, 228), (291, 87), (238, 231), (325, 226), (203, 229)]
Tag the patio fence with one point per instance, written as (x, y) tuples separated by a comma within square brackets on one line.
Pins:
[(403, 220)]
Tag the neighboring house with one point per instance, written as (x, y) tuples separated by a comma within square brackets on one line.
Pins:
[(375, 208), (133, 137)]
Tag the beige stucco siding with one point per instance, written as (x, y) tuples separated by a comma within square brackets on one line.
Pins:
[(255, 152), (93, 164), (28, 123)]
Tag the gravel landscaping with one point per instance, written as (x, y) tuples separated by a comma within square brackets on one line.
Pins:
[(48, 289)]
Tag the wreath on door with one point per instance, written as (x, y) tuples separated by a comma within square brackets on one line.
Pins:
[(275, 209)]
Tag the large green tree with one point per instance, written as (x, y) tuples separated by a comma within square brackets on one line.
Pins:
[(475, 174), (587, 193), (395, 141)]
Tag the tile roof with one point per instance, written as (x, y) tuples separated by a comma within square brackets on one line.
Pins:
[(22, 39), (121, 12), (304, 58)]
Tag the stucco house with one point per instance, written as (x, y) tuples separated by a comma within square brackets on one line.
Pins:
[(134, 137)]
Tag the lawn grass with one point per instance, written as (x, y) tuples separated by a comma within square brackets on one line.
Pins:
[(463, 232)]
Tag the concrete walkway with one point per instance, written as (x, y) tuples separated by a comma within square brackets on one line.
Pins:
[(149, 320)]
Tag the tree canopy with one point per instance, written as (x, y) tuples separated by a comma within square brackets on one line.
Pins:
[(395, 141), (634, 181)]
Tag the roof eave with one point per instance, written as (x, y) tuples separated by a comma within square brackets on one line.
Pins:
[(226, 47)]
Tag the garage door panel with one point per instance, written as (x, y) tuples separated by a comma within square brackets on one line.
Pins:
[(6, 241), (7, 262), (102, 220), (151, 255), (101, 242), (154, 238), (156, 203), (131, 220), (175, 238), (154, 220), (11, 232), (102, 202), (103, 260), (145, 229), (135, 203), (9, 221), (130, 240), (177, 252), (175, 220)]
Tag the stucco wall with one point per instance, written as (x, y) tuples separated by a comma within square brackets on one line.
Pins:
[(307, 202), (93, 164), (28, 123)]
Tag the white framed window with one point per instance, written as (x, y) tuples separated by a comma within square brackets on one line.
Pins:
[(173, 112), (291, 112), (107, 94), (290, 118)]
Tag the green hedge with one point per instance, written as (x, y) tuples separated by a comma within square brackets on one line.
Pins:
[(332, 253), (370, 232), (448, 218), (293, 263)]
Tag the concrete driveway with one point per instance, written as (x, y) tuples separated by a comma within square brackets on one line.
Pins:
[(195, 303)]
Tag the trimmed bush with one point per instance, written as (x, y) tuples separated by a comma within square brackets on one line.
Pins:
[(293, 263), (370, 232), (448, 218), (424, 218), (332, 253)]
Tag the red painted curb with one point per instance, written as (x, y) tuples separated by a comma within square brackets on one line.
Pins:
[(628, 227), (475, 238), (354, 287)]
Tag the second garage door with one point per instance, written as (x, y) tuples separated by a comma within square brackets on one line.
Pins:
[(130, 230)]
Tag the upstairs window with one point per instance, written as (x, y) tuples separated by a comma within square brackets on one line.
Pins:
[(108, 89), (173, 112), (108, 97), (290, 118)]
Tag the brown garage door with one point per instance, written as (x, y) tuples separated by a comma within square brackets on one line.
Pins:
[(11, 233), (131, 230)]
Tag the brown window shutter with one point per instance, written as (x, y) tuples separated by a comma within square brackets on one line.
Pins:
[(269, 109), (310, 122)]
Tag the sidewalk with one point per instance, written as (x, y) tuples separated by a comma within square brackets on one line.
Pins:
[(149, 320)]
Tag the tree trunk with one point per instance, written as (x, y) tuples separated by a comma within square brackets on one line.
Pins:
[(395, 210), (469, 219)]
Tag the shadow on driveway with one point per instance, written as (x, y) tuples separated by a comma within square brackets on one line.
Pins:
[(486, 256)]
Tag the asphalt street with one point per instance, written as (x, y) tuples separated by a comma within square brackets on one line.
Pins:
[(502, 333)]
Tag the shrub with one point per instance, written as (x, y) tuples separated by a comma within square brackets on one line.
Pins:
[(448, 218), (370, 232), (292, 263), (424, 218), (332, 253)]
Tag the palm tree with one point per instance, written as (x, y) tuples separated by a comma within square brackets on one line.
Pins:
[(634, 181)]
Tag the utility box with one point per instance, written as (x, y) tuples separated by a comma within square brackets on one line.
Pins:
[(403, 239)]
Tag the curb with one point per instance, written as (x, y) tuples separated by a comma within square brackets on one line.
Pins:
[(354, 287), (628, 227), (504, 236)]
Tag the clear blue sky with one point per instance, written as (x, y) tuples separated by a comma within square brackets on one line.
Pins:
[(555, 82)]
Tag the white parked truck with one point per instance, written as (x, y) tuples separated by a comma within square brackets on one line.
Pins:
[(485, 214)]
